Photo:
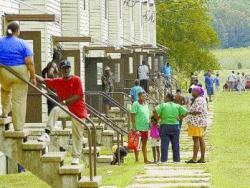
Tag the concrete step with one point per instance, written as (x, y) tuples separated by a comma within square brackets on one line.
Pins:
[(86, 183), (71, 169), (164, 185), (105, 159), (53, 157), (34, 145), (4, 121), (172, 180), (16, 134)]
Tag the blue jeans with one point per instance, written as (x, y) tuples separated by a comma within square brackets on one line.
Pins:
[(170, 133)]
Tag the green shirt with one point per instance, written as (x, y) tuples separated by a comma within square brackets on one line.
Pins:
[(142, 116), (169, 113)]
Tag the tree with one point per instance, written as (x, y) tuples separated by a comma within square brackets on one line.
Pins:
[(185, 27)]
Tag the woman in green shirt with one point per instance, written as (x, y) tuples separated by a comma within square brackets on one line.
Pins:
[(140, 116), (170, 113)]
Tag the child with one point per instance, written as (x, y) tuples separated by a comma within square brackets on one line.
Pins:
[(155, 139), (123, 153)]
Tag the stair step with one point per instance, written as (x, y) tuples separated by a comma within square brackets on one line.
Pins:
[(53, 157), (105, 159), (64, 132), (16, 134), (4, 121), (34, 145), (86, 150), (85, 182), (108, 133), (71, 169)]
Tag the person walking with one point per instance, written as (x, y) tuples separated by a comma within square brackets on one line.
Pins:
[(70, 94), (143, 75), (232, 80), (209, 83), (170, 114), (167, 72), (135, 90), (17, 55), (107, 87), (140, 119), (197, 123), (217, 82)]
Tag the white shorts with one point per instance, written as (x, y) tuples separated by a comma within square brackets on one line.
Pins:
[(155, 142)]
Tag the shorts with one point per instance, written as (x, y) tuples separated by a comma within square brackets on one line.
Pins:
[(196, 131), (144, 135), (108, 101), (155, 142)]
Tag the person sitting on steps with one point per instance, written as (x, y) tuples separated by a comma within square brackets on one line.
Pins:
[(70, 94)]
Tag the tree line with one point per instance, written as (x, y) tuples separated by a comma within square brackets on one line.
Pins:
[(232, 22)]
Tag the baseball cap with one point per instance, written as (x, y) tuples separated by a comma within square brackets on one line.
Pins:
[(65, 63)]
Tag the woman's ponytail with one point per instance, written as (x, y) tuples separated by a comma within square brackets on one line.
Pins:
[(12, 28)]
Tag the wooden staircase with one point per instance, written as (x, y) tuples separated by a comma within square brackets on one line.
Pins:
[(48, 166)]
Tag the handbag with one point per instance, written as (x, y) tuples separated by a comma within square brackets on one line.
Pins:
[(133, 140)]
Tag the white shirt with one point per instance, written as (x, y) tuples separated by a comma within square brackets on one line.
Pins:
[(232, 78), (143, 72)]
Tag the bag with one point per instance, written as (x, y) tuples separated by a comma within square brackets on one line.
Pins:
[(133, 140)]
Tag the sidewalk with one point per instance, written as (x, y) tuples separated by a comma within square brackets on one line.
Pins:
[(177, 175)]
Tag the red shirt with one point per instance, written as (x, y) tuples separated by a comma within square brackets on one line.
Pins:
[(66, 89)]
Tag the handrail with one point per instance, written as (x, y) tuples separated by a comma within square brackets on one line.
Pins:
[(61, 107), (113, 101), (107, 121), (87, 118)]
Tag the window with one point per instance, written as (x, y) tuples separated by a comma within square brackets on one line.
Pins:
[(117, 72), (161, 60), (156, 65), (120, 5), (141, 59), (106, 9), (132, 9), (150, 62), (131, 65), (72, 61), (99, 73)]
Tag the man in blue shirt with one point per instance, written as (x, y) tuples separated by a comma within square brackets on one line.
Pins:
[(135, 90), (167, 71), (209, 85), (16, 54)]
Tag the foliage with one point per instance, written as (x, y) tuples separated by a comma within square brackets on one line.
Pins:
[(185, 27), (229, 162), (229, 58), (232, 22)]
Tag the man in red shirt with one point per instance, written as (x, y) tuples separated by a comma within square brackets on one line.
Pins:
[(70, 93)]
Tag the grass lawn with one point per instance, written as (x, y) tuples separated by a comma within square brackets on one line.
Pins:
[(24, 180), (229, 160), (229, 58)]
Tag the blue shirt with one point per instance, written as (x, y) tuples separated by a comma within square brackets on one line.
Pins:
[(13, 51), (209, 81), (166, 70), (134, 92), (217, 81)]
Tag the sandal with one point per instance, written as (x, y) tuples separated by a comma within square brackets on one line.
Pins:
[(190, 161), (201, 161)]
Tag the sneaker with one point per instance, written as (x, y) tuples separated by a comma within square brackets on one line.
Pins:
[(75, 161), (44, 138)]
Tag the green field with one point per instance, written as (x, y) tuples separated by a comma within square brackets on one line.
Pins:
[(229, 58), (229, 160)]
